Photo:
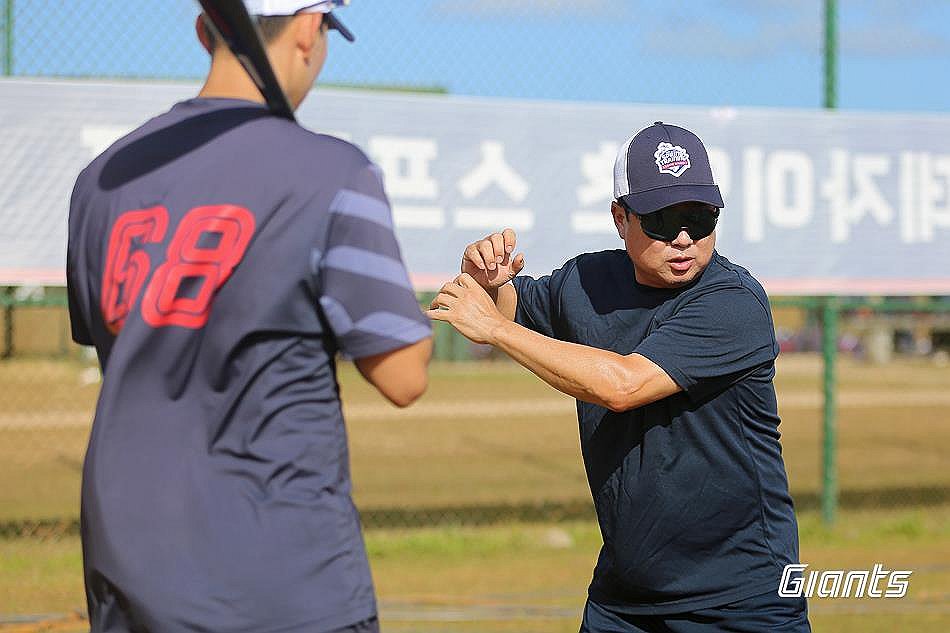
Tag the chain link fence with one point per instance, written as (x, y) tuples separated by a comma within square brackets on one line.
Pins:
[(891, 395), (725, 52)]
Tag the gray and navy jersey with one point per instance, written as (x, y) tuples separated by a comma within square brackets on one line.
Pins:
[(219, 259)]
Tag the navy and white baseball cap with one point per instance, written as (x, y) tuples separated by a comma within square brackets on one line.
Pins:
[(663, 165), (293, 7)]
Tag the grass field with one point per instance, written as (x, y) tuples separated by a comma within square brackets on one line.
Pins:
[(490, 433), (532, 578)]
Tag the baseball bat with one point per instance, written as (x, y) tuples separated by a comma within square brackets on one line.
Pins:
[(239, 31)]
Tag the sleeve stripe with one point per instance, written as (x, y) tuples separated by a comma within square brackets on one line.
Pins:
[(360, 205), (393, 326), (352, 231), (367, 264), (337, 315), (387, 324)]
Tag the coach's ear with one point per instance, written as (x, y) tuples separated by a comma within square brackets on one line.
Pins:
[(201, 28), (620, 216)]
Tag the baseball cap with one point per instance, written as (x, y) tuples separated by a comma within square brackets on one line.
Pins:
[(292, 7), (663, 165)]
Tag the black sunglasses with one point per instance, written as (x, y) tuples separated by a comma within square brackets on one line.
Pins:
[(666, 224)]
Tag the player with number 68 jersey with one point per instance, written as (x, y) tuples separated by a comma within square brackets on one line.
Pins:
[(220, 257)]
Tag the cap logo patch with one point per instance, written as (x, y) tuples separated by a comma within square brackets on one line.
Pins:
[(671, 159)]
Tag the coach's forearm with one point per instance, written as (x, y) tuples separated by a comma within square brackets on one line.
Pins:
[(586, 373), (506, 300)]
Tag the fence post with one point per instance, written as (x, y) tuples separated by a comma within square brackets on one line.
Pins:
[(829, 329), (8, 38), (829, 345), (460, 347), (7, 322), (831, 54)]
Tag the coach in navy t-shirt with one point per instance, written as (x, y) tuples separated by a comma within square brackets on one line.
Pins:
[(669, 349), (219, 259)]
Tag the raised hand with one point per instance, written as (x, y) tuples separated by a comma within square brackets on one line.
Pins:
[(491, 261), (467, 306)]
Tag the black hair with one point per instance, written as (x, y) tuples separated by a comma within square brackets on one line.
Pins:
[(623, 205), (271, 27)]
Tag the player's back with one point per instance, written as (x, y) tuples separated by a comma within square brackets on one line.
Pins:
[(218, 260)]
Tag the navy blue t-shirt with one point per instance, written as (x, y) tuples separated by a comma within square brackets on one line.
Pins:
[(219, 258), (690, 491)]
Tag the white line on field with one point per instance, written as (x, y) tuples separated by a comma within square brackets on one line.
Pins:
[(451, 410)]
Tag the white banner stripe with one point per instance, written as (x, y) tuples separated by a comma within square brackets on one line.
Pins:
[(490, 218), (587, 222), (418, 217)]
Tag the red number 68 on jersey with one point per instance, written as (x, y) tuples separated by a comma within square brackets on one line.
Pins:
[(208, 243)]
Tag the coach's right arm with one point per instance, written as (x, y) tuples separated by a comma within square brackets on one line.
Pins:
[(534, 339)]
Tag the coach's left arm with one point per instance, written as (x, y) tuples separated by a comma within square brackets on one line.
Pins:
[(594, 375)]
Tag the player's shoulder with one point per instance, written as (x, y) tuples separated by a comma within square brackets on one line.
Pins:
[(727, 272), (199, 123), (323, 161), (90, 177), (161, 131), (612, 258), (592, 272), (301, 142), (731, 282), (603, 267)]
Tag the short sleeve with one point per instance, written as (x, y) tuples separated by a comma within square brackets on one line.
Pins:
[(77, 322), (712, 340), (75, 284), (365, 292), (535, 304), (539, 300)]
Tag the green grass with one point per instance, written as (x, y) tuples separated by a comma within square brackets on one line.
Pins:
[(40, 576), (526, 577)]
